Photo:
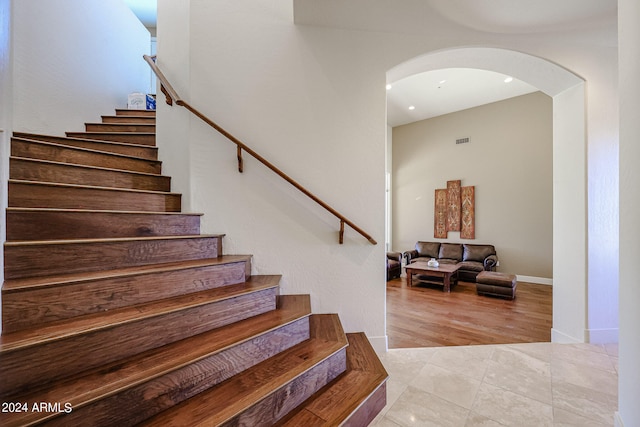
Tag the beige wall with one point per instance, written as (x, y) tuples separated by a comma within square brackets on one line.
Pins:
[(508, 160), (629, 351)]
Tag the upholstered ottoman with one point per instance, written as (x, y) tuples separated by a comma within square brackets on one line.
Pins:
[(496, 284)]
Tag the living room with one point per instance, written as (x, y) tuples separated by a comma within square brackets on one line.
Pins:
[(504, 150)]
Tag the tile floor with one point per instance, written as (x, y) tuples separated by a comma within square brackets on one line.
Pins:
[(524, 385)]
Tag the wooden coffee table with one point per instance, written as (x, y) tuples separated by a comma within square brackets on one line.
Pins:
[(441, 275)]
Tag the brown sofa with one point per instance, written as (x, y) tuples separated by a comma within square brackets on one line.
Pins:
[(394, 265), (472, 258)]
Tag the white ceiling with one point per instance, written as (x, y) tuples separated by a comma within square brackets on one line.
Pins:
[(526, 16), (439, 92)]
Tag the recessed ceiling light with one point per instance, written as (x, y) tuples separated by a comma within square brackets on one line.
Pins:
[(442, 81), (389, 87), (508, 80), (411, 107)]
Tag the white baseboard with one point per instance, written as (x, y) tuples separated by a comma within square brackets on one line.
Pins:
[(380, 344), (602, 336), (536, 280), (562, 338), (617, 421)]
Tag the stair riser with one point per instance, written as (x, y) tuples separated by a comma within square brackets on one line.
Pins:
[(120, 127), (53, 225), (127, 138), (142, 151), (146, 113), (146, 400), (21, 370), (37, 307), (282, 401), (64, 154), (67, 174), (23, 195), (50, 259), (365, 414), (128, 119)]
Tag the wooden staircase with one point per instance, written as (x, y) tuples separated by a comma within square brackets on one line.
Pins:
[(117, 311)]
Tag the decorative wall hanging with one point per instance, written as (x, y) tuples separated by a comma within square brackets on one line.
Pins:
[(440, 215), (453, 205), (468, 228), (454, 211)]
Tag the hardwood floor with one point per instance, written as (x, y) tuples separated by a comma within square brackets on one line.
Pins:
[(425, 316)]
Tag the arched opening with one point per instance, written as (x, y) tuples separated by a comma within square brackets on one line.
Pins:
[(569, 166)]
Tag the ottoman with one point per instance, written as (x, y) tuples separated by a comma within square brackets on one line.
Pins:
[(496, 284)]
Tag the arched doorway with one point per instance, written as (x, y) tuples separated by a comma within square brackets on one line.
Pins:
[(569, 166)]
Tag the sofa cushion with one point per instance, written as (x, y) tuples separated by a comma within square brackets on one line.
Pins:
[(450, 251), (477, 252), (428, 249), (471, 266)]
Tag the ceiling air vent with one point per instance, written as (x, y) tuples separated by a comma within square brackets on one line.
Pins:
[(462, 141)]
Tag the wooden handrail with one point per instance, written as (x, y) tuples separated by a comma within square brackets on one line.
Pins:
[(172, 97)]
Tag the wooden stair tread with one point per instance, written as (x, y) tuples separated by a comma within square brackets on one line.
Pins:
[(339, 400), (92, 187), (230, 398), (106, 240), (113, 378), (98, 321), (87, 150), (137, 138), (109, 133), (119, 124), (25, 224), (126, 111), (132, 117), (91, 167), (35, 136), (120, 127), (16, 285), (19, 209)]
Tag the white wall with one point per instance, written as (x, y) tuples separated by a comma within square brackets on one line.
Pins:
[(283, 97), (508, 160), (74, 60), (569, 217), (6, 117), (312, 98), (173, 122), (629, 350)]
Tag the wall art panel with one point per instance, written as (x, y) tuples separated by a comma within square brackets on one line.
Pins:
[(453, 205), (440, 214), (468, 227)]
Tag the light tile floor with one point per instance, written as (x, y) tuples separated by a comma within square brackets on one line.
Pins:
[(524, 385)]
